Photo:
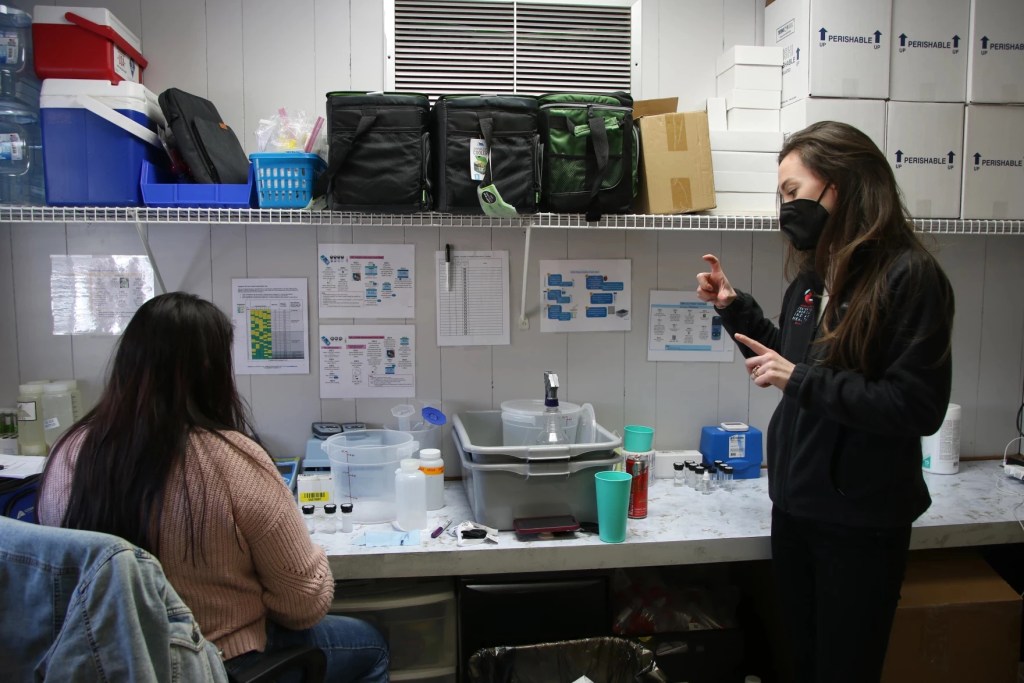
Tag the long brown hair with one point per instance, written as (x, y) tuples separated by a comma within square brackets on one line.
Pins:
[(171, 377), (867, 231)]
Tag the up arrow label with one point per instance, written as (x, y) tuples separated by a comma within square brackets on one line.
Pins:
[(878, 37), (956, 41), (903, 40), (822, 31)]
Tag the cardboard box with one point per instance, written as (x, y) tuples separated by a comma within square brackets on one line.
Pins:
[(749, 77), (675, 161), (831, 48), (748, 54), (745, 162), (928, 61), (753, 99), (995, 63), (957, 620), (993, 162), (867, 115), (746, 141), (923, 142), (745, 181), (753, 119)]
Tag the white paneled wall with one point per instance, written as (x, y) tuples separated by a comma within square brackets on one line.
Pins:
[(254, 56)]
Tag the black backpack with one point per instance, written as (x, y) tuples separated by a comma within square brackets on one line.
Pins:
[(206, 144), (486, 154), (18, 497), (379, 153)]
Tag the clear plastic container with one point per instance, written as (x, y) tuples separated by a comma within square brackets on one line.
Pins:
[(363, 467), (21, 143), (410, 418), (524, 421), (58, 413), (15, 41), (31, 440)]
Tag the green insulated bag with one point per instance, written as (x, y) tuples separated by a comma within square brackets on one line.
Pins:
[(379, 153), (590, 153), (486, 154)]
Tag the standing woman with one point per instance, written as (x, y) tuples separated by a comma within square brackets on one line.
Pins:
[(861, 355), (164, 461)]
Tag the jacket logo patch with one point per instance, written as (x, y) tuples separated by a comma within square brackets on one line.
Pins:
[(804, 312)]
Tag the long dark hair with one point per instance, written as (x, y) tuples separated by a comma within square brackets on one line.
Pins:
[(171, 377), (867, 231)]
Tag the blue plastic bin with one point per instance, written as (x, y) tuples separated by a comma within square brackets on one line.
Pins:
[(160, 190), (284, 180), (90, 160)]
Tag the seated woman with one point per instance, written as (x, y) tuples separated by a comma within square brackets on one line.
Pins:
[(164, 461)]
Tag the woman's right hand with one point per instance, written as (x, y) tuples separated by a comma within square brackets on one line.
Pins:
[(714, 287)]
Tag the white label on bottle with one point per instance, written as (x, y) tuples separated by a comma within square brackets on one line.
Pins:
[(12, 147), (9, 52), (478, 155), (124, 66), (26, 411), (737, 445), (51, 423)]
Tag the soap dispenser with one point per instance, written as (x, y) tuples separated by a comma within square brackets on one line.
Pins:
[(552, 434)]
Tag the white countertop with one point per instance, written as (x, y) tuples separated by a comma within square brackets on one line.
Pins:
[(977, 506)]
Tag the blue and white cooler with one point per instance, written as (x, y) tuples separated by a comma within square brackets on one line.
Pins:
[(95, 138)]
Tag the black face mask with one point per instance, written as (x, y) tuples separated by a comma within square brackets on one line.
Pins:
[(803, 220)]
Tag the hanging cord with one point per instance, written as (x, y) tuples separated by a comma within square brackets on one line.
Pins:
[(524, 324), (144, 236)]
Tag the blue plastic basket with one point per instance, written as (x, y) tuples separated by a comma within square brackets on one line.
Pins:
[(284, 180)]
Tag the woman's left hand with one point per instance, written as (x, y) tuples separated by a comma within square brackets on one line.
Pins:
[(767, 367)]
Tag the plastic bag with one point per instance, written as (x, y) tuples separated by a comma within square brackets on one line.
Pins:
[(603, 660), (289, 132)]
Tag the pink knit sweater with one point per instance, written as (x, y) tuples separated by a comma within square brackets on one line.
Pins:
[(259, 560)]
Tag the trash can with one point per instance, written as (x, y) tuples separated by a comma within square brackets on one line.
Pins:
[(602, 660)]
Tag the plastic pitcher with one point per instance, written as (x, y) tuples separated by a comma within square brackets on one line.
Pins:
[(363, 465)]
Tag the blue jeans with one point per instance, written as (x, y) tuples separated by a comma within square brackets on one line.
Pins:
[(355, 651)]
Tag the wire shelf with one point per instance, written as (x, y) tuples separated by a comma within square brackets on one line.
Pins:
[(705, 222)]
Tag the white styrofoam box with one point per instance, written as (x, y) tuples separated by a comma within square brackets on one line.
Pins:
[(831, 48), (716, 114), (749, 77), (993, 162), (748, 54), (663, 461), (745, 181), (923, 142), (995, 63), (928, 61), (867, 115), (746, 141), (745, 162), (753, 99), (753, 119), (759, 203)]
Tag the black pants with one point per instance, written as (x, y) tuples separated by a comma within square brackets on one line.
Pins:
[(837, 587)]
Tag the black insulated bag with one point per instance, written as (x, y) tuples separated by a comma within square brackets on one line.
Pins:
[(590, 153), (486, 153), (379, 153)]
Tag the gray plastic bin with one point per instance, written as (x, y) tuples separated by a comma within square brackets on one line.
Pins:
[(527, 481)]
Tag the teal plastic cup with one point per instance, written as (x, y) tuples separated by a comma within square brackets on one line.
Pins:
[(612, 505), (637, 439)]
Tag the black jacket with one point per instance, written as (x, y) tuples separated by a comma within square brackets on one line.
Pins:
[(844, 447)]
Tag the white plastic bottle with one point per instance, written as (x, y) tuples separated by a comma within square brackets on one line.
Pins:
[(31, 440), (58, 413), (432, 467), (410, 495)]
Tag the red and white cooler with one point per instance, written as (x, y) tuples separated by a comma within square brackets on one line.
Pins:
[(85, 42)]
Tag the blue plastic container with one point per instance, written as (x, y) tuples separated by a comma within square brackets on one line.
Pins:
[(284, 180), (742, 450), (160, 190), (88, 159)]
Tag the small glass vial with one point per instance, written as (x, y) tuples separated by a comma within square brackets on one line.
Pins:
[(705, 483), (727, 476), (346, 518), (698, 476), (678, 474), (329, 523), (691, 470), (307, 516)]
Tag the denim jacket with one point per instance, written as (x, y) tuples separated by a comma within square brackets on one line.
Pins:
[(85, 606)]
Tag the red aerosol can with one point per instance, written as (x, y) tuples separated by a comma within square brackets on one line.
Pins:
[(638, 465)]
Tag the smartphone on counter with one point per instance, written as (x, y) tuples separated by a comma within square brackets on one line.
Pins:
[(551, 524)]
